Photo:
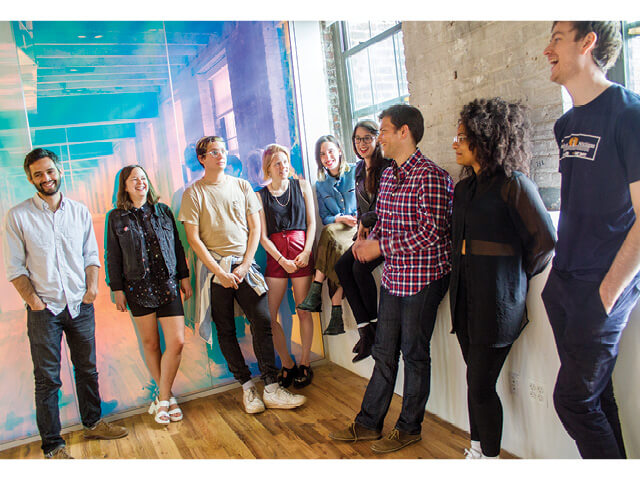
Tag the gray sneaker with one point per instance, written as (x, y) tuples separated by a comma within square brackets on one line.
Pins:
[(58, 453), (251, 401), (282, 398)]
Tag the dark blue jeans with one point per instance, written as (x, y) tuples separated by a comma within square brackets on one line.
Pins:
[(405, 325), (587, 341), (45, 338)]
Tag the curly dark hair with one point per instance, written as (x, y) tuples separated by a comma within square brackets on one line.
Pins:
[(377, 159), (499, 133), (608, 43)]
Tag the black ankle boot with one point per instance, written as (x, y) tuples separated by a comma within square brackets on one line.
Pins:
[(286, 376), (313, 301), (304, 377), (356, 347), (367, 339), (336, 326)]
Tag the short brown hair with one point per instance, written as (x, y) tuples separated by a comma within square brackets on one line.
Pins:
[(203, 143), (608, 42), (402, 114), (37, 154), (123, 200)]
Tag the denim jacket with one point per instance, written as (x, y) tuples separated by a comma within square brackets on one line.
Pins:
[(126, 249), (336, 196)]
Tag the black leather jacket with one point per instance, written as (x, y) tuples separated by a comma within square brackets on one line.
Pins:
[(126, 250), (367, 206)]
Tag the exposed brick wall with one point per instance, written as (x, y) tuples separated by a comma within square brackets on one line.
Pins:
[(332, 80), (451, 63)]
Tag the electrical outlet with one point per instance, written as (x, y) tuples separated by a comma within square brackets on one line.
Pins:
[(537, 392), (514, 382)]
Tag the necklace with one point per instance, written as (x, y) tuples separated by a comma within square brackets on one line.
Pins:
[(288, 198)]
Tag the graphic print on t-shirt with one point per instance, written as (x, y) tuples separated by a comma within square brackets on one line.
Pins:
[(579, 145)]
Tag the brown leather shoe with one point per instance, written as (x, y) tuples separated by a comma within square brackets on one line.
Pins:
[(105, 431), (355, 432), (59, 453), (395, 441)]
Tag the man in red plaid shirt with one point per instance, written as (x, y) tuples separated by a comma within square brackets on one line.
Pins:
[(414, 235)]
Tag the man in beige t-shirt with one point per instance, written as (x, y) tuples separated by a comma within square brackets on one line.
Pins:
[(221, 220)]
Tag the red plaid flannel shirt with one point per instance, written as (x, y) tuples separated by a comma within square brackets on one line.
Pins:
[(414, 224)]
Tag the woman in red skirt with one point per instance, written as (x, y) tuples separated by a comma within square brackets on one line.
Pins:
[(287, 234)]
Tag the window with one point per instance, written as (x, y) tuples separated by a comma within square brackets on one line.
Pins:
[(370, 68), (223, 108), (626, 70), (631, 51)]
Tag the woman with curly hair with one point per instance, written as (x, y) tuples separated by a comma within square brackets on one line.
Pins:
[(502, 236)]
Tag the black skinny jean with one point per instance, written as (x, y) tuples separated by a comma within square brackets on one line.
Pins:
[(484, 364), (256, 309), (359, 286)]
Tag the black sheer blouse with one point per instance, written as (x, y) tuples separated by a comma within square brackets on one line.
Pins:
[(508, 238)]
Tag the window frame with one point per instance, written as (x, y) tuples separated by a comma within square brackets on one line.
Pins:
[(342, 53), (623, 59)]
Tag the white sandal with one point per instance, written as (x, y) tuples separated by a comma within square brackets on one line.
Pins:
[(161, 416), (175, 411)]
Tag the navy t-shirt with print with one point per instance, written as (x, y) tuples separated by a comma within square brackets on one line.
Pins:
[(599, 157)]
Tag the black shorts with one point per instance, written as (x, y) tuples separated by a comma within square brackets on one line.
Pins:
[(171, 309)]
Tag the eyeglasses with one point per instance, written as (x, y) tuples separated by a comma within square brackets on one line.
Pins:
[(459, 139), (367, 139), (215, 153)]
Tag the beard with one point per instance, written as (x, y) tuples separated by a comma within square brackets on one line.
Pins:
[(51, 191)]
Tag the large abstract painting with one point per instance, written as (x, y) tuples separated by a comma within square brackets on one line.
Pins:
[(103, 95)]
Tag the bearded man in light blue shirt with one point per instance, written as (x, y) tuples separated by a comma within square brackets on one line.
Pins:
[(52, 259)]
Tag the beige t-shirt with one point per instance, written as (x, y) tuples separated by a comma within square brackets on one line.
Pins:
[(220, 210)]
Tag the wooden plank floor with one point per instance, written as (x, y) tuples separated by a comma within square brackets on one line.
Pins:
[(216, 427)]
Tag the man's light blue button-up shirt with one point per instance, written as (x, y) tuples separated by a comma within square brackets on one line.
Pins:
[(52, 249)]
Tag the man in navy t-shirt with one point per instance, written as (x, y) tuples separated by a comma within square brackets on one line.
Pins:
[(593, 284)]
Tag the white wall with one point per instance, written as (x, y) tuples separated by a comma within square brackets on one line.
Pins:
[(311, 89)]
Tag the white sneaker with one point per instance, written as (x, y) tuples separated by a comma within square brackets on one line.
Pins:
[(472, 454), (282, 398), (252, 402)]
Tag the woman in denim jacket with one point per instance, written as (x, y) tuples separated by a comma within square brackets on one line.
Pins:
[(335, 190), (146, 270)]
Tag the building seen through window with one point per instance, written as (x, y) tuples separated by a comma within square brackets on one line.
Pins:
[(371, 69), (632, 54)]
